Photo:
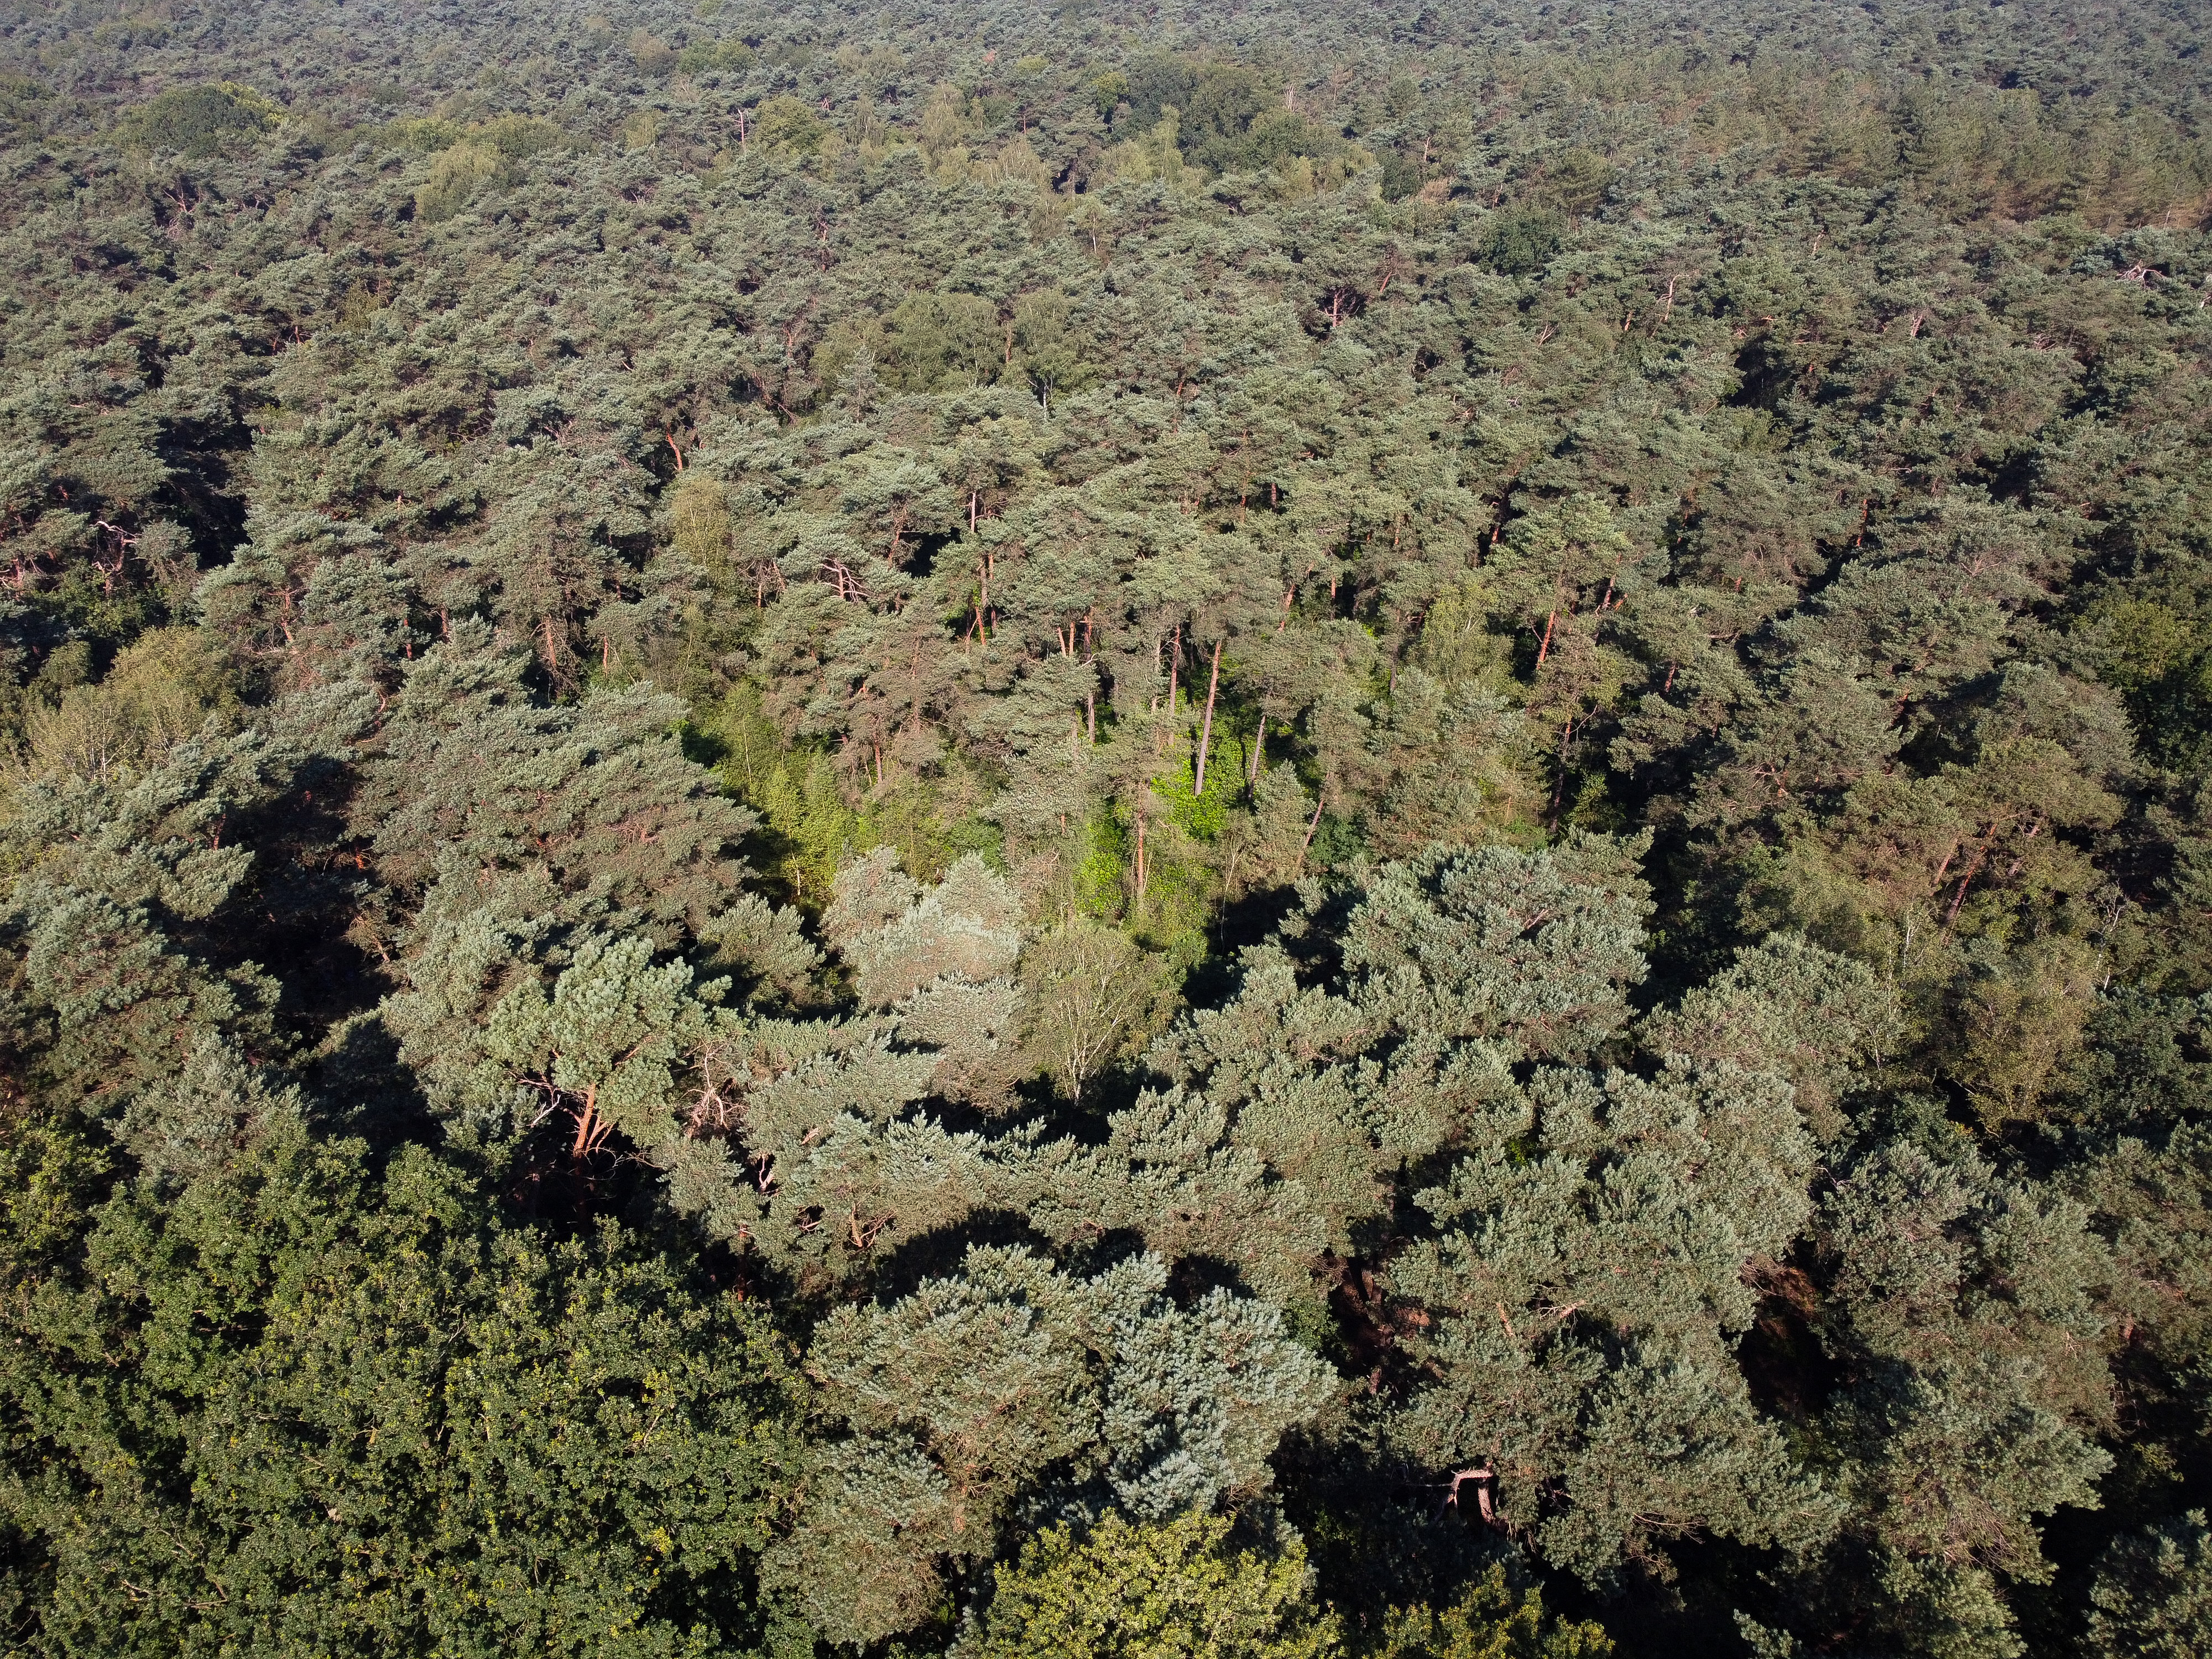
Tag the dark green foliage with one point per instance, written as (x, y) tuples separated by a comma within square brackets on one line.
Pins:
[(196, 121), (302, 1402), (2153, 1592), (1518, 241)]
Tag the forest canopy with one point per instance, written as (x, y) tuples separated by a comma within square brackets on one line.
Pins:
[(1354, 832)]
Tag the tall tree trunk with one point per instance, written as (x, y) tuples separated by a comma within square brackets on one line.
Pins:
[(1174, 662), (1206, 732), (586, 1121)]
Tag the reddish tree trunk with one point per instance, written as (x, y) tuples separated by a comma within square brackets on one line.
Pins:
[(1205, 732)]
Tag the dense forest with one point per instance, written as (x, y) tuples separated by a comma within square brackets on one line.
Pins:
[(1329, 831)]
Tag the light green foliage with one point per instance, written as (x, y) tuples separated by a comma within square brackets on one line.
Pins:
[(156, 694), (1092, 995), (815, 826), (458, 174), (1458, 645), (1099, 873), (1158, 1592), (715, 56), (1203, 817), (699, 524), (1491, 1620), (930, 339), (787, 125)]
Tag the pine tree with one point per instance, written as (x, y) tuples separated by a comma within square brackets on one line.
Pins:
[(1015, 1384), (2153, 1592)]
